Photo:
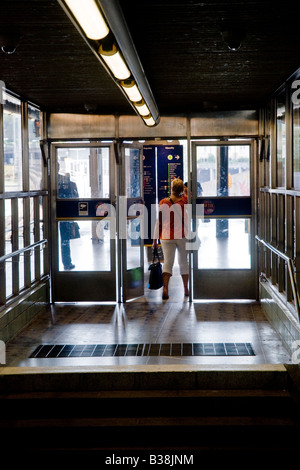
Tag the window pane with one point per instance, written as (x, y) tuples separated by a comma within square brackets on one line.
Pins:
[(83, 172), (207, 170), (281, 140), (8, 277), (8, 226), (89, 252), (296, 146), (35, 158), (31, 222), (8, 247), (223, 170), (21, 244), (12, 143), (225, 244), (132, 172), (42, 236), (133, 243)]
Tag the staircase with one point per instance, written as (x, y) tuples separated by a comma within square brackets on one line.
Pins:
[(190, 413)]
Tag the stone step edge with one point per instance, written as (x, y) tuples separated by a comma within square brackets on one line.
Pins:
[(142, 377)]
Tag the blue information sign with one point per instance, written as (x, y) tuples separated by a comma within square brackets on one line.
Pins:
[(169, 166), (149, 184)]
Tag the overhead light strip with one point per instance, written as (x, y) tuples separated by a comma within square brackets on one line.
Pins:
[(89, 17), (114, 61), (109, 37)]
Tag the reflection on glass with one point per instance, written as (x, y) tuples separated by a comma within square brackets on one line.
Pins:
[(296, 145), (225, 244), (84, 245), (83, 172), (35, 158), (281, 139), (132, 172), (12, 143), (133, 243), (223, 170)]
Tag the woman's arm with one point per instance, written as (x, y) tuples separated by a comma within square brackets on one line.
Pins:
[(156, 235)]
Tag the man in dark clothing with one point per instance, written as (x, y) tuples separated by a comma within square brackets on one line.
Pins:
[(66, 189)]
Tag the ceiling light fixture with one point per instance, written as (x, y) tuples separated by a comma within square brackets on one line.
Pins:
[(142, 108), (131, 90), (102, 25), (114, 60), (89, 17), (149, 120)]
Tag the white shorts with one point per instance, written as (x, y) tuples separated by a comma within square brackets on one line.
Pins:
[(169, 248)]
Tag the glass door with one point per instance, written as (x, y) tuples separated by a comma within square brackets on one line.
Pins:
[(131, 227), (83, 222), (224, 266)]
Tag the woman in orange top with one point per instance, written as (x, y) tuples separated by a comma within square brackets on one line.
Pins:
[(171, 231)]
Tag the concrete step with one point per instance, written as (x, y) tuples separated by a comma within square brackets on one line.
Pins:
[(156, 377), (45, 411)]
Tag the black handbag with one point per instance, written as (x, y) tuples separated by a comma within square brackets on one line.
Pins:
[(74, 230), (155, 276)]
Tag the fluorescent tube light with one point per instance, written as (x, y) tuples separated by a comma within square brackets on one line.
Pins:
[(89, 17), (142, 108), (131, 90), (115, 62), (149, 121)]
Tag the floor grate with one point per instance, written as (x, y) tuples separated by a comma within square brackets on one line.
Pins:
[(148, 349)]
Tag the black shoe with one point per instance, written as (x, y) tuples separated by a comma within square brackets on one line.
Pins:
[(69, 267)]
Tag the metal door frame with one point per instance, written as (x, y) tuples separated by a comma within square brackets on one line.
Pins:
[(98, 286), (211, 279), (127, 289)]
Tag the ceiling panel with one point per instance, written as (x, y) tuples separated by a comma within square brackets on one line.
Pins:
[(187, 64)]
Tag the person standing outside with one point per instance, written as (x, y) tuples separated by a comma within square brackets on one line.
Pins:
[(170, 229), (66, 189)]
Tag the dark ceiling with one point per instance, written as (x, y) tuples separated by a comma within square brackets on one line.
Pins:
[(188, 66)]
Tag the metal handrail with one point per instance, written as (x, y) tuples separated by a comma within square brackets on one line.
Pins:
[(290, 265), (22, 250)]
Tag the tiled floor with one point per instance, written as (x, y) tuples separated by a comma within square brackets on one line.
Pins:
[(150, 320)]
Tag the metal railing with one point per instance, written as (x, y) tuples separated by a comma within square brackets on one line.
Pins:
[(22, 250), (291, 271)]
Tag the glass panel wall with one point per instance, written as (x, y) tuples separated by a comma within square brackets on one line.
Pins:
[(22, 183), (279, 206)]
